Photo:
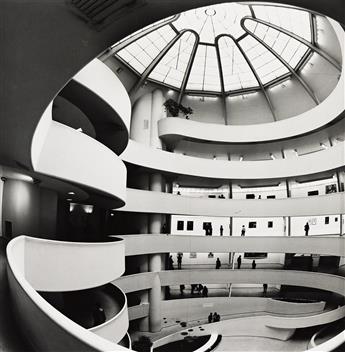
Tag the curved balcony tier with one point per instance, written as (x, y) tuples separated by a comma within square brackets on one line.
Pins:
[(65, 153), (166, 203), (65, 264), (159, 160), (320, 281), (150, 244), (92, 91)]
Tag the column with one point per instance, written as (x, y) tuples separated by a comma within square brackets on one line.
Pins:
[(144, 294), (341, 225), (155, 264), (155, 220), (157, 111), (287, 221), (140, 130)]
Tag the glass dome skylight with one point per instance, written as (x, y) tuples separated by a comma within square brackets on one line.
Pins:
[(221, 49)]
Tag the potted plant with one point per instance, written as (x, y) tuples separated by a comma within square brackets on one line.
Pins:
[(173, 108)]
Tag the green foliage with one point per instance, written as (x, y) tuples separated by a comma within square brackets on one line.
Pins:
[(174, 108)]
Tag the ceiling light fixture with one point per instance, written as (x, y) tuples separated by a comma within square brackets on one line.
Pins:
[(71, 193)]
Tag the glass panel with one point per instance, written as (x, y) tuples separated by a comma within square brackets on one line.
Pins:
[(143, 51), (204, 74), (293, 20), (171, 69), (211, 21), (290, 49), (267, 66), (156, 24), (236, 72)]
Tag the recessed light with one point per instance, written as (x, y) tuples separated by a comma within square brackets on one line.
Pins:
[(71, 193), (69, 199)]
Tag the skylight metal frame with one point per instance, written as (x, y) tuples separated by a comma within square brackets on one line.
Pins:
[(285, 63), (262, 88), (310, 45), (223, 93), (131, 39)]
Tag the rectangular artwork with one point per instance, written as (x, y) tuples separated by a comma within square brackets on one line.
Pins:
[(192, 255)]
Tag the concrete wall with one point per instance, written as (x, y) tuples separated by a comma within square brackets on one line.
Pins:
[(205, 109), (248, 109), (31, 209)]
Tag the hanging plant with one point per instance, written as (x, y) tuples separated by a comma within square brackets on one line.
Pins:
[(173, 107)]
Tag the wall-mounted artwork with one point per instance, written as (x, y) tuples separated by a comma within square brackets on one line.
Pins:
[(192, 255), (210, 255)]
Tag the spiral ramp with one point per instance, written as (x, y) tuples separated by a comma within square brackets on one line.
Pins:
[(61, 152), (64, 153)]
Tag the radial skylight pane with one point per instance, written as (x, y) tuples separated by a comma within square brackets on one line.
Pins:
[(236, 72), (143, 30), (205, 74), (142, 52), (213, 20), (290, 49), (267, 66), (293, 20), (171, 69)]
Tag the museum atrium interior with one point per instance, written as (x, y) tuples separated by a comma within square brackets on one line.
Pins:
[(172, 176)]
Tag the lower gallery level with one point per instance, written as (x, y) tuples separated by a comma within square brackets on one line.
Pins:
[(172, 176)]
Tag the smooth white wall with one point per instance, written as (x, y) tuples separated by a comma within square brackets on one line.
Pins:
[(206, 109), (248, 109), (317, 225), (290, 99)]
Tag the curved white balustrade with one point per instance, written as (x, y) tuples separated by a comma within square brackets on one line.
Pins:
[(193, 309), (71, 266), (321, 281), (166, 203), (63, 152), (98, 92), (156, 159), (115, 328), (149, 244), (45, 327), (101, 80)]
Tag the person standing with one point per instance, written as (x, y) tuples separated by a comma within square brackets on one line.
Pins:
[(221, 230), (171, 263), (179, 261), (265, 289), (253, 264), (218, 263), (306, 228), (239, 262), (209, 318), (182, 287), (243, 230), (205, 291)]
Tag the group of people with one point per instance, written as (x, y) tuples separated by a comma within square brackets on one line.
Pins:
[(239, 263), (171, 262), (199, 289), (213, 318)]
